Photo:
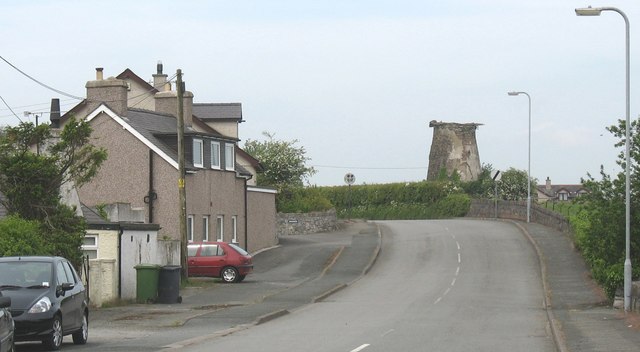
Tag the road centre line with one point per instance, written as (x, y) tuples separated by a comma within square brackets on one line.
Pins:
[(360, 348), (388, 332)]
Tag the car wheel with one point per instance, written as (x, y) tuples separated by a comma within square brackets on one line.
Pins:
[(229, 274), (54, 340), (80, 337)]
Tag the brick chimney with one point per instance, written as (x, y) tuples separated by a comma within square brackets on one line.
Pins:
[(167, 103), (548, 184), (110, 91), (159, 79)]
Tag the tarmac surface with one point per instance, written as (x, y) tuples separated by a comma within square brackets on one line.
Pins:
[(580, 318)]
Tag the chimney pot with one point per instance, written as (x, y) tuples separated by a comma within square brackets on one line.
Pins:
[(54, 115), (99, 75), (159, 67)]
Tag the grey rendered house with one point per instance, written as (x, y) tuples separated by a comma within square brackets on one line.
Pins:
[(135, 122)]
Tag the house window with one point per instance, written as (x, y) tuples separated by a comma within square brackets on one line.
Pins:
[(220, 227), (229, 157), (215, 155), (234, 229), (205, 228), (197, 153), (563, 196), (90, 246), (190, 228)]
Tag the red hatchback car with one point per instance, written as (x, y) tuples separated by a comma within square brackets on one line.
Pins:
[(226, 261)]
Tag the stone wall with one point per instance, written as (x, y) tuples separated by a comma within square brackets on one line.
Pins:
[(517, 210), (306, 223)]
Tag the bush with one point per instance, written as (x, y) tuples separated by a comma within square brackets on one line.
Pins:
[(301, 200), (19, 237)]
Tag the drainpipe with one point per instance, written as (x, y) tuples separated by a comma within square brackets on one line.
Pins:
[(151, 195), (246, 220), (120, 232)]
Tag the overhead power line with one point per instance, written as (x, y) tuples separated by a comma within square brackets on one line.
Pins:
[(14, 114), (40, 83)]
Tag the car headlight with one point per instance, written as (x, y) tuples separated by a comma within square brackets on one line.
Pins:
[(43, 305)]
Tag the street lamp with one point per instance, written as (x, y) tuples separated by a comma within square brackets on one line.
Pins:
[(595, 11), (529, 167)]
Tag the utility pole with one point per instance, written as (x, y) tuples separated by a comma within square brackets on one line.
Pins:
[(181, 181)]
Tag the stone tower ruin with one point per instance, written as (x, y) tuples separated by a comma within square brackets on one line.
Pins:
[(454, 148)]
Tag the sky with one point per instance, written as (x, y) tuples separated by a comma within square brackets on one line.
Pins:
[(356, 83)]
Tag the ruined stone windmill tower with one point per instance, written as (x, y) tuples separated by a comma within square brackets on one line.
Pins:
[(454, 148)]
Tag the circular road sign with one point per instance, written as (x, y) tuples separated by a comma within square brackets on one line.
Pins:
[(349, 178)]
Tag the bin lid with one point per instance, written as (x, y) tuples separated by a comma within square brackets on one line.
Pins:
[(147, 266), (171, 267)]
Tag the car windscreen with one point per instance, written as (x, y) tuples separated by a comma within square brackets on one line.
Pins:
[(25, 274), (238, 249)]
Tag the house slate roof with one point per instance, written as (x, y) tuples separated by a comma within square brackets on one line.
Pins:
[(218, 111), (572, 190)]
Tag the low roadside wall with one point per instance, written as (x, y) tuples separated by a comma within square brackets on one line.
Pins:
[(306, 223), (517, 210)]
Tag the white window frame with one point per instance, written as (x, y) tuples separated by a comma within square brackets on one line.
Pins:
[(205, 228), (198, 145), (234, 229), (189, 228), (220, 227), (91, 248), (215, 153), (229, 156)]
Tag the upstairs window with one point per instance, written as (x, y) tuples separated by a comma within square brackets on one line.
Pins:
[(229, 157), (215, 155), (197, 153)]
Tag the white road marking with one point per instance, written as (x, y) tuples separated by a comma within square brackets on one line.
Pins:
[(388, 332), (360, 348), (455, 277)]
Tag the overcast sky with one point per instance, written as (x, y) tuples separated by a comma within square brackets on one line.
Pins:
[(355, 82)]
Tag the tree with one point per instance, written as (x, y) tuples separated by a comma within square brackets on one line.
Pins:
[(513, 185), (600, 225), (284, 163), (483, 187), (30, 180)]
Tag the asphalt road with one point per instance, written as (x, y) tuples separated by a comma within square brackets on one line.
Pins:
[(445, 285), (301, 270)]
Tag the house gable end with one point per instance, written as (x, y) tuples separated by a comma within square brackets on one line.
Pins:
[(126, 126)]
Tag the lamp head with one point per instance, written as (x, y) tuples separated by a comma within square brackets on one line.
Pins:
[(513, 93), (589, 11)]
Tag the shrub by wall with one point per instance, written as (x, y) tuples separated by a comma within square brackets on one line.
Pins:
[(415, 200)]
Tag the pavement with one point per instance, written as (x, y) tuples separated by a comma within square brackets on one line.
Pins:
[(306, 269)]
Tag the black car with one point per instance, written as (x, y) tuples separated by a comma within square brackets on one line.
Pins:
[(6, 325), (48, 299)]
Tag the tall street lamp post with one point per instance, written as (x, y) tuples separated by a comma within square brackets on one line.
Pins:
[(595, 11), (529, 166)]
